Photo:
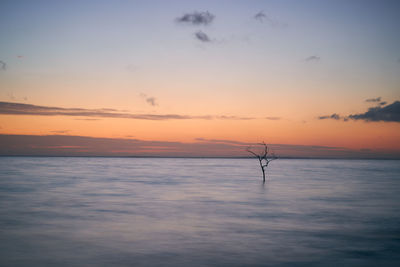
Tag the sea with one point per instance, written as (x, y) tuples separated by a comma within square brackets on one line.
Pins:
[(98, 211)]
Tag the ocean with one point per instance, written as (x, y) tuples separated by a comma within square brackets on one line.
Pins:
[(83, 211)]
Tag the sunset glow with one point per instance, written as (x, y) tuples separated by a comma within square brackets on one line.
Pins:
[(195, 74)]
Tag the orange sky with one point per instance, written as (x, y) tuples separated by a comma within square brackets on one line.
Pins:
[(298, 76), (354, 135)]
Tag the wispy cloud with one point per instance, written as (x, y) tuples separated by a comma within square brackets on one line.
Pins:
[(333, 116), (3, 66), (10, 108), (374, 100), (149, 99), (312, 59), (225, 117), (202, 36), (273, 118), (389, 113), (262, 17), (196, 18), (378, 99)]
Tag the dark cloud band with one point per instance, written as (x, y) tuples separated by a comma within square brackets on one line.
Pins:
[(10, 108), (389, 113), (69, 145)]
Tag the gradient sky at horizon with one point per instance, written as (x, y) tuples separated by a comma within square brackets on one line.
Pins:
[(301, 61)]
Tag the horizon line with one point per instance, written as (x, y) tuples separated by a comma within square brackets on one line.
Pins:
[(86, 146), (192, 157)]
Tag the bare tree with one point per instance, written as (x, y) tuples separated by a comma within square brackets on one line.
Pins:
[(263, 157)]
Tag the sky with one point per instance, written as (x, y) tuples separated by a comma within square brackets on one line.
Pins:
[(200, 78)]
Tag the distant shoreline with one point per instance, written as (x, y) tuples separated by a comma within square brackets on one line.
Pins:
[(187, 157)]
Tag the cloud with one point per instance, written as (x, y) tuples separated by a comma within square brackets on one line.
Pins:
[(10, 108), (202, 36), (68, 145), (389, 113), (3, 66), (333, 116), (378, 99), (273, 118), (313, 59), (225, 117), (374, 100), (150, 100), (196, 18), (262, 17)]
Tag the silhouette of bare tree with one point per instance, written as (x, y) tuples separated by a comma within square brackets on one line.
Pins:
[(264, 157)]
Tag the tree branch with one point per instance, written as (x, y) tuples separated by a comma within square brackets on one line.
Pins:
[(263, 156), (248, 150)]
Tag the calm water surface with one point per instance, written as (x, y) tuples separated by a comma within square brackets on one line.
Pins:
[(198, 212)]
